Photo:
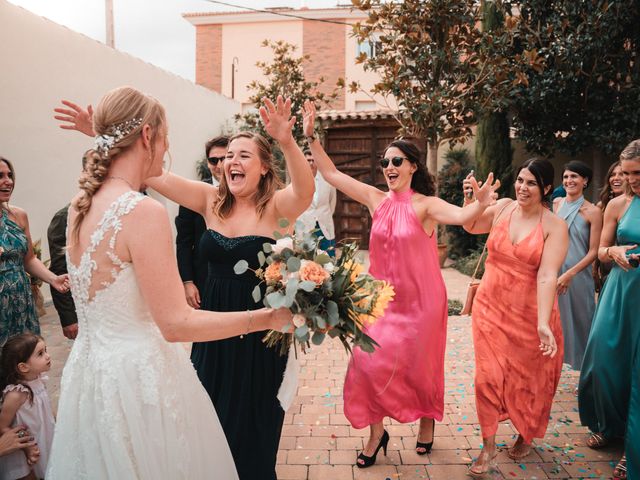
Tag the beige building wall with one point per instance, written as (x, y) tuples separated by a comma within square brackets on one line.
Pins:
[(43, 62), (331, 47), (243, 41)]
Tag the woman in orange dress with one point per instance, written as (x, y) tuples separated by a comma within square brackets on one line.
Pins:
[(517, 333)]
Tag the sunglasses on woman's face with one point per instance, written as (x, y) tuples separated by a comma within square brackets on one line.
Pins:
[(214, 160), (397, 161)]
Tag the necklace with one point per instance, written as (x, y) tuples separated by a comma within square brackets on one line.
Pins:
[(123, 179)]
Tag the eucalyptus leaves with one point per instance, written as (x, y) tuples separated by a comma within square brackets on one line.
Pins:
[(333, 297)]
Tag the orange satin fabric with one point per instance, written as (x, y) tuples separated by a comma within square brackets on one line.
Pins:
[(513, 379)]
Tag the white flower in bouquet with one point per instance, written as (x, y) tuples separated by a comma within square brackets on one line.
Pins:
[(281, 244)]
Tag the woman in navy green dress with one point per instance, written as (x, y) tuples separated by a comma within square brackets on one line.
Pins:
[(609, 394), (17, 308)]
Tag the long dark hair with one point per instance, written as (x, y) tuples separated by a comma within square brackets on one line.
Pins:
[(606, 194), (13, 177), (542, 169), (422, 181), (17, 350)]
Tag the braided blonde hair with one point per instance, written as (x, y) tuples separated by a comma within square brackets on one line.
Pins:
[(117, 108)]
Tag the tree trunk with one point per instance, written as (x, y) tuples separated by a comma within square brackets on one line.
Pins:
[(493, 150), (493, 145), (432, 159)]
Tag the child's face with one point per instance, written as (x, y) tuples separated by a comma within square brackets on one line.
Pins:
[(39, 361)]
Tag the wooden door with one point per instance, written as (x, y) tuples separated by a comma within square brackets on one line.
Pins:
[(356, 147)]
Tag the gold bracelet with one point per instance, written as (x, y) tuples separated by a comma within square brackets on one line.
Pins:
[(606, 251), (250, 313)]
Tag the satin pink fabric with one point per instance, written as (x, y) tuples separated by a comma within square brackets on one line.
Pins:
[(513, 379), (404, 378)]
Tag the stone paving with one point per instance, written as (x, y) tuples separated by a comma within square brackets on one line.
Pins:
[(318, 442)]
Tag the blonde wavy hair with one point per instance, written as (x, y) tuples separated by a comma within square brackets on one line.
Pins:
[(269, 183), (116, 107), (630, 152)]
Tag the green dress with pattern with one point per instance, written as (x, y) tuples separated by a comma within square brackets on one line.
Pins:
[(17, 308)]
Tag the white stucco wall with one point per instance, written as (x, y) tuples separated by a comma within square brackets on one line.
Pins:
[(43, 62)]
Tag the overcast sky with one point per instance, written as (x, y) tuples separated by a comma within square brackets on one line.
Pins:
[(152, 30)]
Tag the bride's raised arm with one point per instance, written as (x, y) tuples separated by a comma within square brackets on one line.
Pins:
[(147, 235), (189, 193)]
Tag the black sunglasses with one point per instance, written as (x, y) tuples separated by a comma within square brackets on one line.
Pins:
[(214, 160), (397, 161)]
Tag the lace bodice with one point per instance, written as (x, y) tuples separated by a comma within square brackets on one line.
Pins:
[(105, 290)]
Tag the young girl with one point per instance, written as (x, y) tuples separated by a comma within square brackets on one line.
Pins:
[(24, 400)]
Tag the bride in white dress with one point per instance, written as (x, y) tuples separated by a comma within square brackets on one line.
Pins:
[(131, 405)]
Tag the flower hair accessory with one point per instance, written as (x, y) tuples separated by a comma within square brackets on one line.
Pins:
[(105, 142)]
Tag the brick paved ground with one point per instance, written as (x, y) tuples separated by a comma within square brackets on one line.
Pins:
[(318, 443)]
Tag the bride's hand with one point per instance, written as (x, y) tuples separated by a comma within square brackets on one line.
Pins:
[(308, 118), (277, 119), (76, 118), (281, 318)]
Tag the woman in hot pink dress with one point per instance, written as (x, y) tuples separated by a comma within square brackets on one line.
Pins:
[(404, 378)]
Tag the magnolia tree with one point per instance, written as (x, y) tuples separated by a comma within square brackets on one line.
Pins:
[(588, 92), (435, 60)]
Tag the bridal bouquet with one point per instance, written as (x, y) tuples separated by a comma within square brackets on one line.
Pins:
[(327, 296)]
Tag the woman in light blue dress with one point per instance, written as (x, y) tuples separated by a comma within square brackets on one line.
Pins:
[(609, 394), (576, 287)]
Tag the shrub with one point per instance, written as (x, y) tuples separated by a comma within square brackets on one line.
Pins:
[(457, 166), (467, 264)]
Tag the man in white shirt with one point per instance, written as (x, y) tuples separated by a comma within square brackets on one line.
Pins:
[(319, 215)]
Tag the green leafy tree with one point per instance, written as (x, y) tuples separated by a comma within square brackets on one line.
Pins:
[(284, 75), (588, 92), (438, 64), (493, 144)]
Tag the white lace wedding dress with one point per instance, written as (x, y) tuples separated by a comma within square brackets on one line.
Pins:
[(131, 405)]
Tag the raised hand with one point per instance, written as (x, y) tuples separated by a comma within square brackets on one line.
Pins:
[(548, 345), (277, 119), (485, 194), (308, 118), (75, 118)]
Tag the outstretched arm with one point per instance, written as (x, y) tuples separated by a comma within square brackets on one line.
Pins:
[(294, 199), (155, 268), (191, 194), (445, 213), (359, 191)]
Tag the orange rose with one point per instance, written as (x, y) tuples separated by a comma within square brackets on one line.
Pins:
[(313, 272), (273, 274)]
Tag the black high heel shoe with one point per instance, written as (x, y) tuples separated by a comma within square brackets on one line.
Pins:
[(368, 461), (427, 446)]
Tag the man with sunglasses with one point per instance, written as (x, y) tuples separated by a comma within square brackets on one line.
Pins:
[(190, 226)]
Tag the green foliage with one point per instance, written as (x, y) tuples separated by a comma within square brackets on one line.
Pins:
[(455, 307), (457, 165), (439, 65), (468, 263), (202, 170), (583, 77), (284, 76)]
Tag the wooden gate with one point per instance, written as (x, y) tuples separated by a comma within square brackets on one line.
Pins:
[(356, 146)]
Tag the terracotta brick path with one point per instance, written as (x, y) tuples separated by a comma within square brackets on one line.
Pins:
[(318, 443)]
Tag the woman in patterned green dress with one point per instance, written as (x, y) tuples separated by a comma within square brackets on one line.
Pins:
[(17, 308)]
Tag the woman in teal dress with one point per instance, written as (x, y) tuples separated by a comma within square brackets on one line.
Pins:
[(17, 308), (609, 392)]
